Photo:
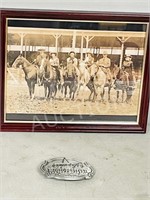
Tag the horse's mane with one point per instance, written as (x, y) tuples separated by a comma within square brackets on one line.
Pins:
[(26, 61)]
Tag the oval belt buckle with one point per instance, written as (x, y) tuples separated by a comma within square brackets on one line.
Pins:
[(67, 169)]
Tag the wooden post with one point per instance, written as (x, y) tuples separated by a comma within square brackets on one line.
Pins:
[(56, 42), (122, 40), (25, 50), (74, 41), (88, 39), (21, 36), (121, 57), (87, 42), (81, 53)]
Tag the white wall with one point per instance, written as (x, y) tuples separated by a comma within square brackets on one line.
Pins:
[(94, 5)]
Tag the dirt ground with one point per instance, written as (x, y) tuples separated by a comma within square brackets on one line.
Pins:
[(17, 100)]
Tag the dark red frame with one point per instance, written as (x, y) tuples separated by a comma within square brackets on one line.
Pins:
[(74, 15)]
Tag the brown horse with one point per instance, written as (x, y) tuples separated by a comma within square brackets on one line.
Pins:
[(50, 80), (124, 83), (69, 80), (30, 71)]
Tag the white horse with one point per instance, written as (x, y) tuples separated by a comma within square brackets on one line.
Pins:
[(92, 78), (84, 73), (99, 78)]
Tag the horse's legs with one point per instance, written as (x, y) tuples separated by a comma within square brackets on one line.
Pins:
[(73, 94), (71, 90), (129, 95), (55, 90), (109, 88), (94, 93), (51, 90), (62, 86), (91, 94), (45, 90), (102, 94), (123, 96), (70, 93), (29, 86), (117, 97), (59, 90), (83, 90), (32, 90), (65, 92), (78, 90), (78, 87), (48, 89), (129, 98), (75, 88), (62, 90)]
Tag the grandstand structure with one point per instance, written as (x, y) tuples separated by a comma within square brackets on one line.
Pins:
[(116, 43)]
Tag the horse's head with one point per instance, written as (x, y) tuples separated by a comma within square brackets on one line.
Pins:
[(94, 69), (19, 61), (115, 70), (44, 63), (122, 75), (82, 64)]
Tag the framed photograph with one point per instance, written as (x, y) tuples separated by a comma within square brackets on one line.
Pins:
[(67, 71)]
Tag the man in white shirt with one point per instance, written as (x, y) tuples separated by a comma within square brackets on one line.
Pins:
[(39, 61), (72, 59), (105, 64), (54, 62), (89, 60)]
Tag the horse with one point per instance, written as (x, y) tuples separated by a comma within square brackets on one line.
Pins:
[(85, 81), (50, 80), (99, 79), (30, 71), (123, 83), (69, 80)]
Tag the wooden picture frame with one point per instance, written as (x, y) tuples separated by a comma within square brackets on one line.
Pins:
[(105, 40)]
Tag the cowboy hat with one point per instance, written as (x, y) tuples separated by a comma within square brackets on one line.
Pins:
[(105, 52), (40, 50), (89, 52), (128, 56), (53, 53), (71, 52)]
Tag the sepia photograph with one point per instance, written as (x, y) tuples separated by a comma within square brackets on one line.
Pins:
[(74, 71)]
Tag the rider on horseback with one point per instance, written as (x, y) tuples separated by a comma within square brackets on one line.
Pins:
[(89, 60), (54, 62), (105, 64), (39, 64), (129, 70), (72, 64), (128, 65), (72, 59)]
